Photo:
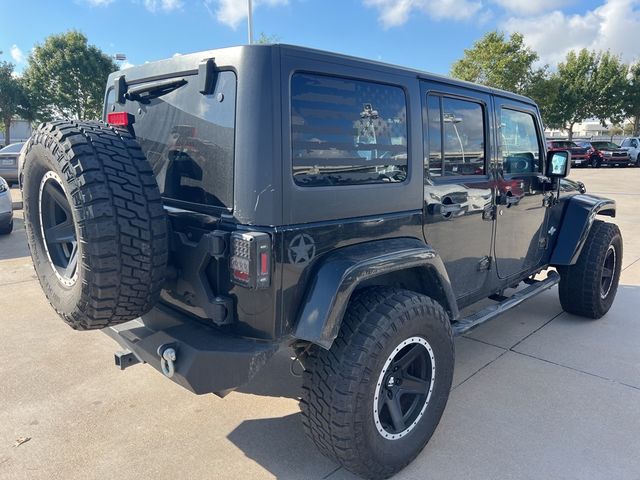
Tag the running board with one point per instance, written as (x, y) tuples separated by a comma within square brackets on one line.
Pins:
[(535, 287)]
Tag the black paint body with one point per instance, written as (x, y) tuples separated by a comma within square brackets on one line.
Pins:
[(456, 238)]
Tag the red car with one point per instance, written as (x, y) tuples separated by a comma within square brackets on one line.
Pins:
[(579, 155), (606, 153)]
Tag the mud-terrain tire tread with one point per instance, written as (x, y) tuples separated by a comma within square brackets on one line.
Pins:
[(579, 287), (122, 224), (332, 377)]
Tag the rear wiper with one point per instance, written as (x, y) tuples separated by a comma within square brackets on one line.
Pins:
[(148, 91)]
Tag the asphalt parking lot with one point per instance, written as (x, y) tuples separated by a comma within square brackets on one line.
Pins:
[(539, 394)]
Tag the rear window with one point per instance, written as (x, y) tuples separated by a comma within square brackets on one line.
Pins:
[(347, 132), (188, 139), (13, 148)]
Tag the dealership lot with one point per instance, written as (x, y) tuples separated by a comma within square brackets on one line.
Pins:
[(538, 393)]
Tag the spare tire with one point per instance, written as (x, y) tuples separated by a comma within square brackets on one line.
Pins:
[(96, 228)]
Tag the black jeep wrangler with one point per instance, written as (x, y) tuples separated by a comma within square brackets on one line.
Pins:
[(238, 200)]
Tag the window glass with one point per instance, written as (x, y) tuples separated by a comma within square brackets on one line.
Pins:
[(434, 134), (188, 138), (347, 132), (626, 142), (519, 148), (456, 134)]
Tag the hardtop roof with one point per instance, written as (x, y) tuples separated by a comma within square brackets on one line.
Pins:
[(188, 63)]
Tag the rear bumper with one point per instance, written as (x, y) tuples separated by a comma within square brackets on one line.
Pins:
[(9, 174), (207, 360)]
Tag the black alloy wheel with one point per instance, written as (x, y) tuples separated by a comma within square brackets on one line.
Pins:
[(58, 229)]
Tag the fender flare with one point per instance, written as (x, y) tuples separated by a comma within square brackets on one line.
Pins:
[(343, 270), (579, 215)]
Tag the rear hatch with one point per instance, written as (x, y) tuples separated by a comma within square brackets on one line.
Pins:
[(186, 135)]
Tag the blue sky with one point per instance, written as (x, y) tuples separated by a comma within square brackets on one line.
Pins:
[(425, 34)]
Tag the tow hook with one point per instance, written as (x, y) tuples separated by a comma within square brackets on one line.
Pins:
[(167, 354)]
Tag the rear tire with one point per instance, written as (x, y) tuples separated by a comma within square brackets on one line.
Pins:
[(6, 229), (373, 401), (95, 224), (589, 287)]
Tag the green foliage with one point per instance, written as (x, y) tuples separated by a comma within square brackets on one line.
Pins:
[(497, 62), (576, 97), (67, 77), (13, 99), (609, 87), (266, 39), (632, 97), (587, 84)]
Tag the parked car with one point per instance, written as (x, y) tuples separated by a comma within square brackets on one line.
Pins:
[(632, 146), (9, 162), (204, 242), (579, 155), (605, 153), (6, 208)]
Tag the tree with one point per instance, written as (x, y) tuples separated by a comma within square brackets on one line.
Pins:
[(608, 86), (497, 62), (577, 94), (66, 77), (266, 39), (13, 99), (632, 97)]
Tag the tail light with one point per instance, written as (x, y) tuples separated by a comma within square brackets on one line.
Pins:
[(251, 259), (120, 119)]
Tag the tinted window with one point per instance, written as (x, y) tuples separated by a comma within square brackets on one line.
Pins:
[(604, 145), (518, 142), (347, 132), (455, 133), (434, 135), (188, 138), (564, 145)]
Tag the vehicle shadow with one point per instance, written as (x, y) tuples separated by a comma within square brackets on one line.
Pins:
[(280, 446)]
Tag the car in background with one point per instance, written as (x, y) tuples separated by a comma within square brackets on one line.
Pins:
[(632, 146), (579, 156), (9, 162), (6, 208), (606, 153)]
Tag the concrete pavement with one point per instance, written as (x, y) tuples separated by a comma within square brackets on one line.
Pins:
[(538, 394)]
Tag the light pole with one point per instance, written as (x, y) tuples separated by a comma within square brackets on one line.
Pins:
[(250, 21)]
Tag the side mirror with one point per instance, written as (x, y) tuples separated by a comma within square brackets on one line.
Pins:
[(558, 164)]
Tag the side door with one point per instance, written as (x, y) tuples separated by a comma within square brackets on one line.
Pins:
[(458, 189), (521, 236)]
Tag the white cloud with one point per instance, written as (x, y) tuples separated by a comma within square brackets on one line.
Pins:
[(164, 5), (126, 64), (232, 12), (99, 3), (16, 54), (614, 25), (393, 13), (531, 7)]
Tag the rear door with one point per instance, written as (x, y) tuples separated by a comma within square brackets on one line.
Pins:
[(458, 186), (521, 236)]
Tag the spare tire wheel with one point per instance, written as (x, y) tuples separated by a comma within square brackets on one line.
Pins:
[(96, 228)]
